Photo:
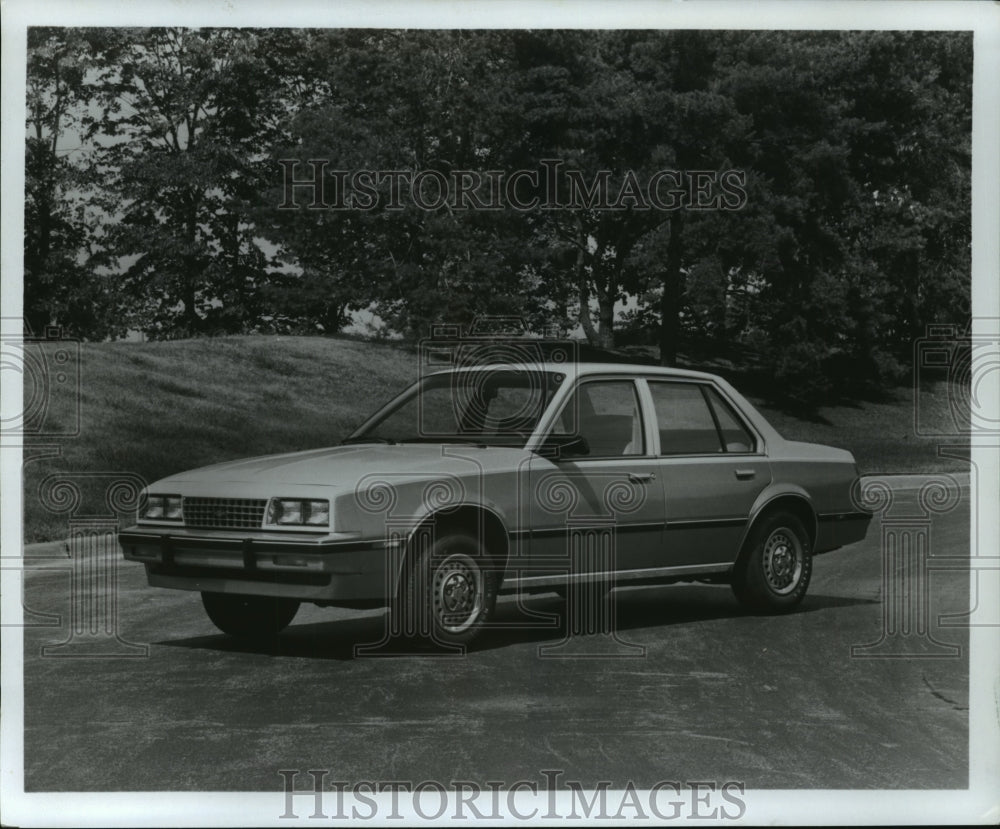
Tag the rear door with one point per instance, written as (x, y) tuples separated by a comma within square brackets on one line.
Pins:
[(712, 468)]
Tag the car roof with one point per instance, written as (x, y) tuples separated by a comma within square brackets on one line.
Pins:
[(576, 369)]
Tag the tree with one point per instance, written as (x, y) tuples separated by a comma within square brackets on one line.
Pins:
[(65, 279), (617, 109), (913, 231), (848, 132), (422, 104), (849, 231), (187, 118)]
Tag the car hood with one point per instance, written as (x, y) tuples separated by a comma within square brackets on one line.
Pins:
[(345, 466)]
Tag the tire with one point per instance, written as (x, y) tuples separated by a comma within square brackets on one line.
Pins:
[(449, 592), (249, 617), (772, 574)]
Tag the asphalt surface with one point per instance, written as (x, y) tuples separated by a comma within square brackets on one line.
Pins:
[(692, 688)]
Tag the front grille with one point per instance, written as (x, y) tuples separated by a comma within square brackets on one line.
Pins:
[(225, 513)]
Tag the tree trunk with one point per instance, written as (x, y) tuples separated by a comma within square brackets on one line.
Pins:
[(189, 276), (583, 291), (673, 292), (38, 309), (606, 316), (191, 319)]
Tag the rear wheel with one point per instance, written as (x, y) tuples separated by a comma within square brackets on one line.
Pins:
[(249, 616), (449, 592), (772, 575)]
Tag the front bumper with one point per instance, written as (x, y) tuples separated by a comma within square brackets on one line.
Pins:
[(337, 567)]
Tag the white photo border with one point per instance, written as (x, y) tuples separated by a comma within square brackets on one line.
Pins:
[(979, 804)]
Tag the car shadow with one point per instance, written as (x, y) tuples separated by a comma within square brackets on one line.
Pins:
[(526, 619), (636, 609)]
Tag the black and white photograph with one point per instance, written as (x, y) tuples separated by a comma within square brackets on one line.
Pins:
[(500, 413)]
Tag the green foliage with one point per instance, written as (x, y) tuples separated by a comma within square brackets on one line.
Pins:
[(407, 101), (66, 282), (853, 150), (186, 114)]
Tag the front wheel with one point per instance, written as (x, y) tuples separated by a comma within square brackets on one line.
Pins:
[(249, 616), (772, 574), (449, 592)]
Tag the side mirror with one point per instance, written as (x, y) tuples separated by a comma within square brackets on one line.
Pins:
[(565, 446)]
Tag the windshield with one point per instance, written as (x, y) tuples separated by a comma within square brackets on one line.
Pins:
[(492, 407)]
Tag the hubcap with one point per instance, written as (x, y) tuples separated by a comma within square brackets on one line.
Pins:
[(782, 561), (458, 592)]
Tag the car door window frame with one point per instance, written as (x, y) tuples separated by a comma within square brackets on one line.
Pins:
[(702, 386), (758, 441), (645, 424)]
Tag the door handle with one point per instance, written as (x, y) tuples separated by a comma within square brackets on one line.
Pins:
[(745, 474), (641, 477)]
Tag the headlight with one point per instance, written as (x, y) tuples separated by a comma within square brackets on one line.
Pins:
[(298, 512), (318, 513), (163, 508)]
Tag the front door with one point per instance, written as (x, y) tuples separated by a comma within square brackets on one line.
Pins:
[(599, 509)]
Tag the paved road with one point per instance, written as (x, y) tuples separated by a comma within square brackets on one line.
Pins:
[(777, 702)]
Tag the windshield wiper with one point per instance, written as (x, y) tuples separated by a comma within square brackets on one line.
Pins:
[(368, 439)]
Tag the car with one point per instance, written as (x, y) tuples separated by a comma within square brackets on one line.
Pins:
[(506, 478)]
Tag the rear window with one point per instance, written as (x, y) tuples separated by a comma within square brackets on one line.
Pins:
[(694, 419), (684, 419), (734, 434)]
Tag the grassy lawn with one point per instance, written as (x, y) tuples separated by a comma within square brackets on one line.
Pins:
[(157, 408), (881, 435)]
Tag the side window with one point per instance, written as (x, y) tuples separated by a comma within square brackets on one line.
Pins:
[(606, 414), (684, 419), (734, 433)]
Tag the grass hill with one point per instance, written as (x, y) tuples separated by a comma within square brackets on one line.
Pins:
[(161, 407)]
